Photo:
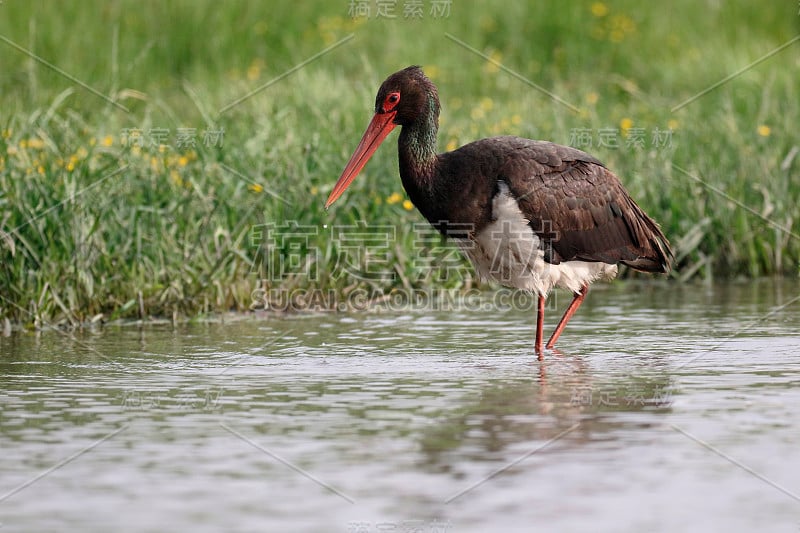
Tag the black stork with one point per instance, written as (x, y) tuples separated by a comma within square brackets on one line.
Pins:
[(537, 215)]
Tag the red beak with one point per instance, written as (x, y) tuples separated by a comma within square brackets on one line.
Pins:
[(379, 127)]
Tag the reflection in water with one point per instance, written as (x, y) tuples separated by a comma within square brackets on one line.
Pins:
[(440, 419), (535, 410)]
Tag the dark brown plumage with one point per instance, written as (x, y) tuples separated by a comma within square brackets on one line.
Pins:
[(567, 219)]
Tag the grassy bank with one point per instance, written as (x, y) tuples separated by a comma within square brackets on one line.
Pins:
[(137, 177)]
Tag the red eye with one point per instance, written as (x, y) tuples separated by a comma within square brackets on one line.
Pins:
[(391, 101)]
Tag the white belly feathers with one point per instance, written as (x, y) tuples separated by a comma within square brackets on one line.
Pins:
[(507, 251)]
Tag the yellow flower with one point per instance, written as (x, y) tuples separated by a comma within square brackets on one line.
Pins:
[(497, 128), (7, 133), (624, 23), (616, 36), (108, 140), (82, 153), (432, 71), (486, 103), (493, 63), (40, 170), (488, 24), (451, 145), (477, 113), (394, 198), (625, 124), (516, 120), (183, 160), (407, 205), (255, 187), (254, 70), (764, 130), (592, 98), (314, 190), (176, 178), (35, 143), (599, 9), (672, 124)]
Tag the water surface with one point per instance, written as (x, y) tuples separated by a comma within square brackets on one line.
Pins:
[(667, 408)]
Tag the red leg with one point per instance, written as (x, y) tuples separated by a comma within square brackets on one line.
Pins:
[(539, 325), (577, 300)]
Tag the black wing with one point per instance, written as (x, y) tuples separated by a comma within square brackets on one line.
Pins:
[(580, 209)]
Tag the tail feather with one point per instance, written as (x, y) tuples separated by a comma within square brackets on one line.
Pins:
[(656, 253)]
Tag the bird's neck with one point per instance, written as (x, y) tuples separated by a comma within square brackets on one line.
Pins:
[(417, 145)]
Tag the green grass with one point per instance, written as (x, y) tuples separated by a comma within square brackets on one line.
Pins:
[(90, 225)]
